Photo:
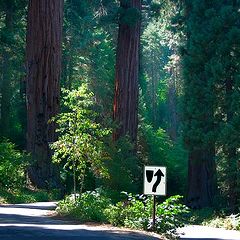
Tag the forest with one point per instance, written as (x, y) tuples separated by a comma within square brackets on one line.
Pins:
[(92, 91)]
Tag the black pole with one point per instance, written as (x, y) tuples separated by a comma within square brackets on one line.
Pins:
[(154, 212)]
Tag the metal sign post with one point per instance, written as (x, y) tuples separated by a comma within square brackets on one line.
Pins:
[(155, 184), (154, 212)]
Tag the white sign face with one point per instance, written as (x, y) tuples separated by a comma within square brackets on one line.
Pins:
[(155, 180)]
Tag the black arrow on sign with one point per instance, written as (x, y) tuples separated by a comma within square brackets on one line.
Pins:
[(159, 175)]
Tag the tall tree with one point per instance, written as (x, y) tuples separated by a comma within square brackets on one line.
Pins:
[(228, 101), (125, 107), (44, 31), (199, 101)]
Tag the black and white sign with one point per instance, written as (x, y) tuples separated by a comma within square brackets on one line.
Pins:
[(155, 180)]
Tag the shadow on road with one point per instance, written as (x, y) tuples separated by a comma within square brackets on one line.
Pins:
[(31, 206), (49, 233), (21, 219), (23, 222)]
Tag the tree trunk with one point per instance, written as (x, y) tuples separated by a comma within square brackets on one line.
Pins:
[(201, 178), (125, 109), (44, 31)]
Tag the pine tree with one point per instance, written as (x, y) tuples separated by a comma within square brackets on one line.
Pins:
[(199, 101), (228, 71)]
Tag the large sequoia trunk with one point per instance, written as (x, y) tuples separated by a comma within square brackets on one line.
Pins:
[(127, 72), (201, 178), (44, 30)]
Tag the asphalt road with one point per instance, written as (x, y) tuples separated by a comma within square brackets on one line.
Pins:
[(207, 233), (32, 221)]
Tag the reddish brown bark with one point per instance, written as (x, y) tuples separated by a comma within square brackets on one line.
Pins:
[(44, 30), (125, 107), (201, 178)]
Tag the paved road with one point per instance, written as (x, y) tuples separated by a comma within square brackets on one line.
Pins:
[(32, 221), (207, 233)]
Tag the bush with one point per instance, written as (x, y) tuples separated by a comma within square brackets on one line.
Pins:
[(171, 214), (136, 212), (12, 166), (89, 206)]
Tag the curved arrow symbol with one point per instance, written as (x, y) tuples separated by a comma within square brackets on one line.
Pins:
[(159, 175)]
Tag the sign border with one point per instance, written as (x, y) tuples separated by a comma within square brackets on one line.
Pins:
[(144, 180)]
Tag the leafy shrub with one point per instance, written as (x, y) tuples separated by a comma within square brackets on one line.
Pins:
[(89, 206), (136, 212), (116, 214), (171, 214), (12, 166)]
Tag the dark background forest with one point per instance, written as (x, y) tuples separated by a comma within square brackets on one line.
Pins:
[(95, 90)]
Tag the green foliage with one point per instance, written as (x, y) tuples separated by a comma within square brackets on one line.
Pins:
[(89, 206), (80, 143), (101, 72), (156, 148), (211, 217), (133, 212), (123, 167), (201, 215), (171, 214), (136, 212), (24, 195), (211, 75), (13, 164), (12, 45)]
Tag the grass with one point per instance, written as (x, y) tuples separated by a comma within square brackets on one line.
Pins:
[(26, 196)]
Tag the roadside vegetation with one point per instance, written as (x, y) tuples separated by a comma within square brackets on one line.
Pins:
[(133, 211), (215, 218), (14, 187)]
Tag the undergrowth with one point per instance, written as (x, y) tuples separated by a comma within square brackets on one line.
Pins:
[(134, 212)]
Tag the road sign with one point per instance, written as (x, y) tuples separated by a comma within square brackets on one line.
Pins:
[(155, 180)]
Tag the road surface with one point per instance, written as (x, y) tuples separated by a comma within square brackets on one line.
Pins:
[(207, 233), (32, 221)]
